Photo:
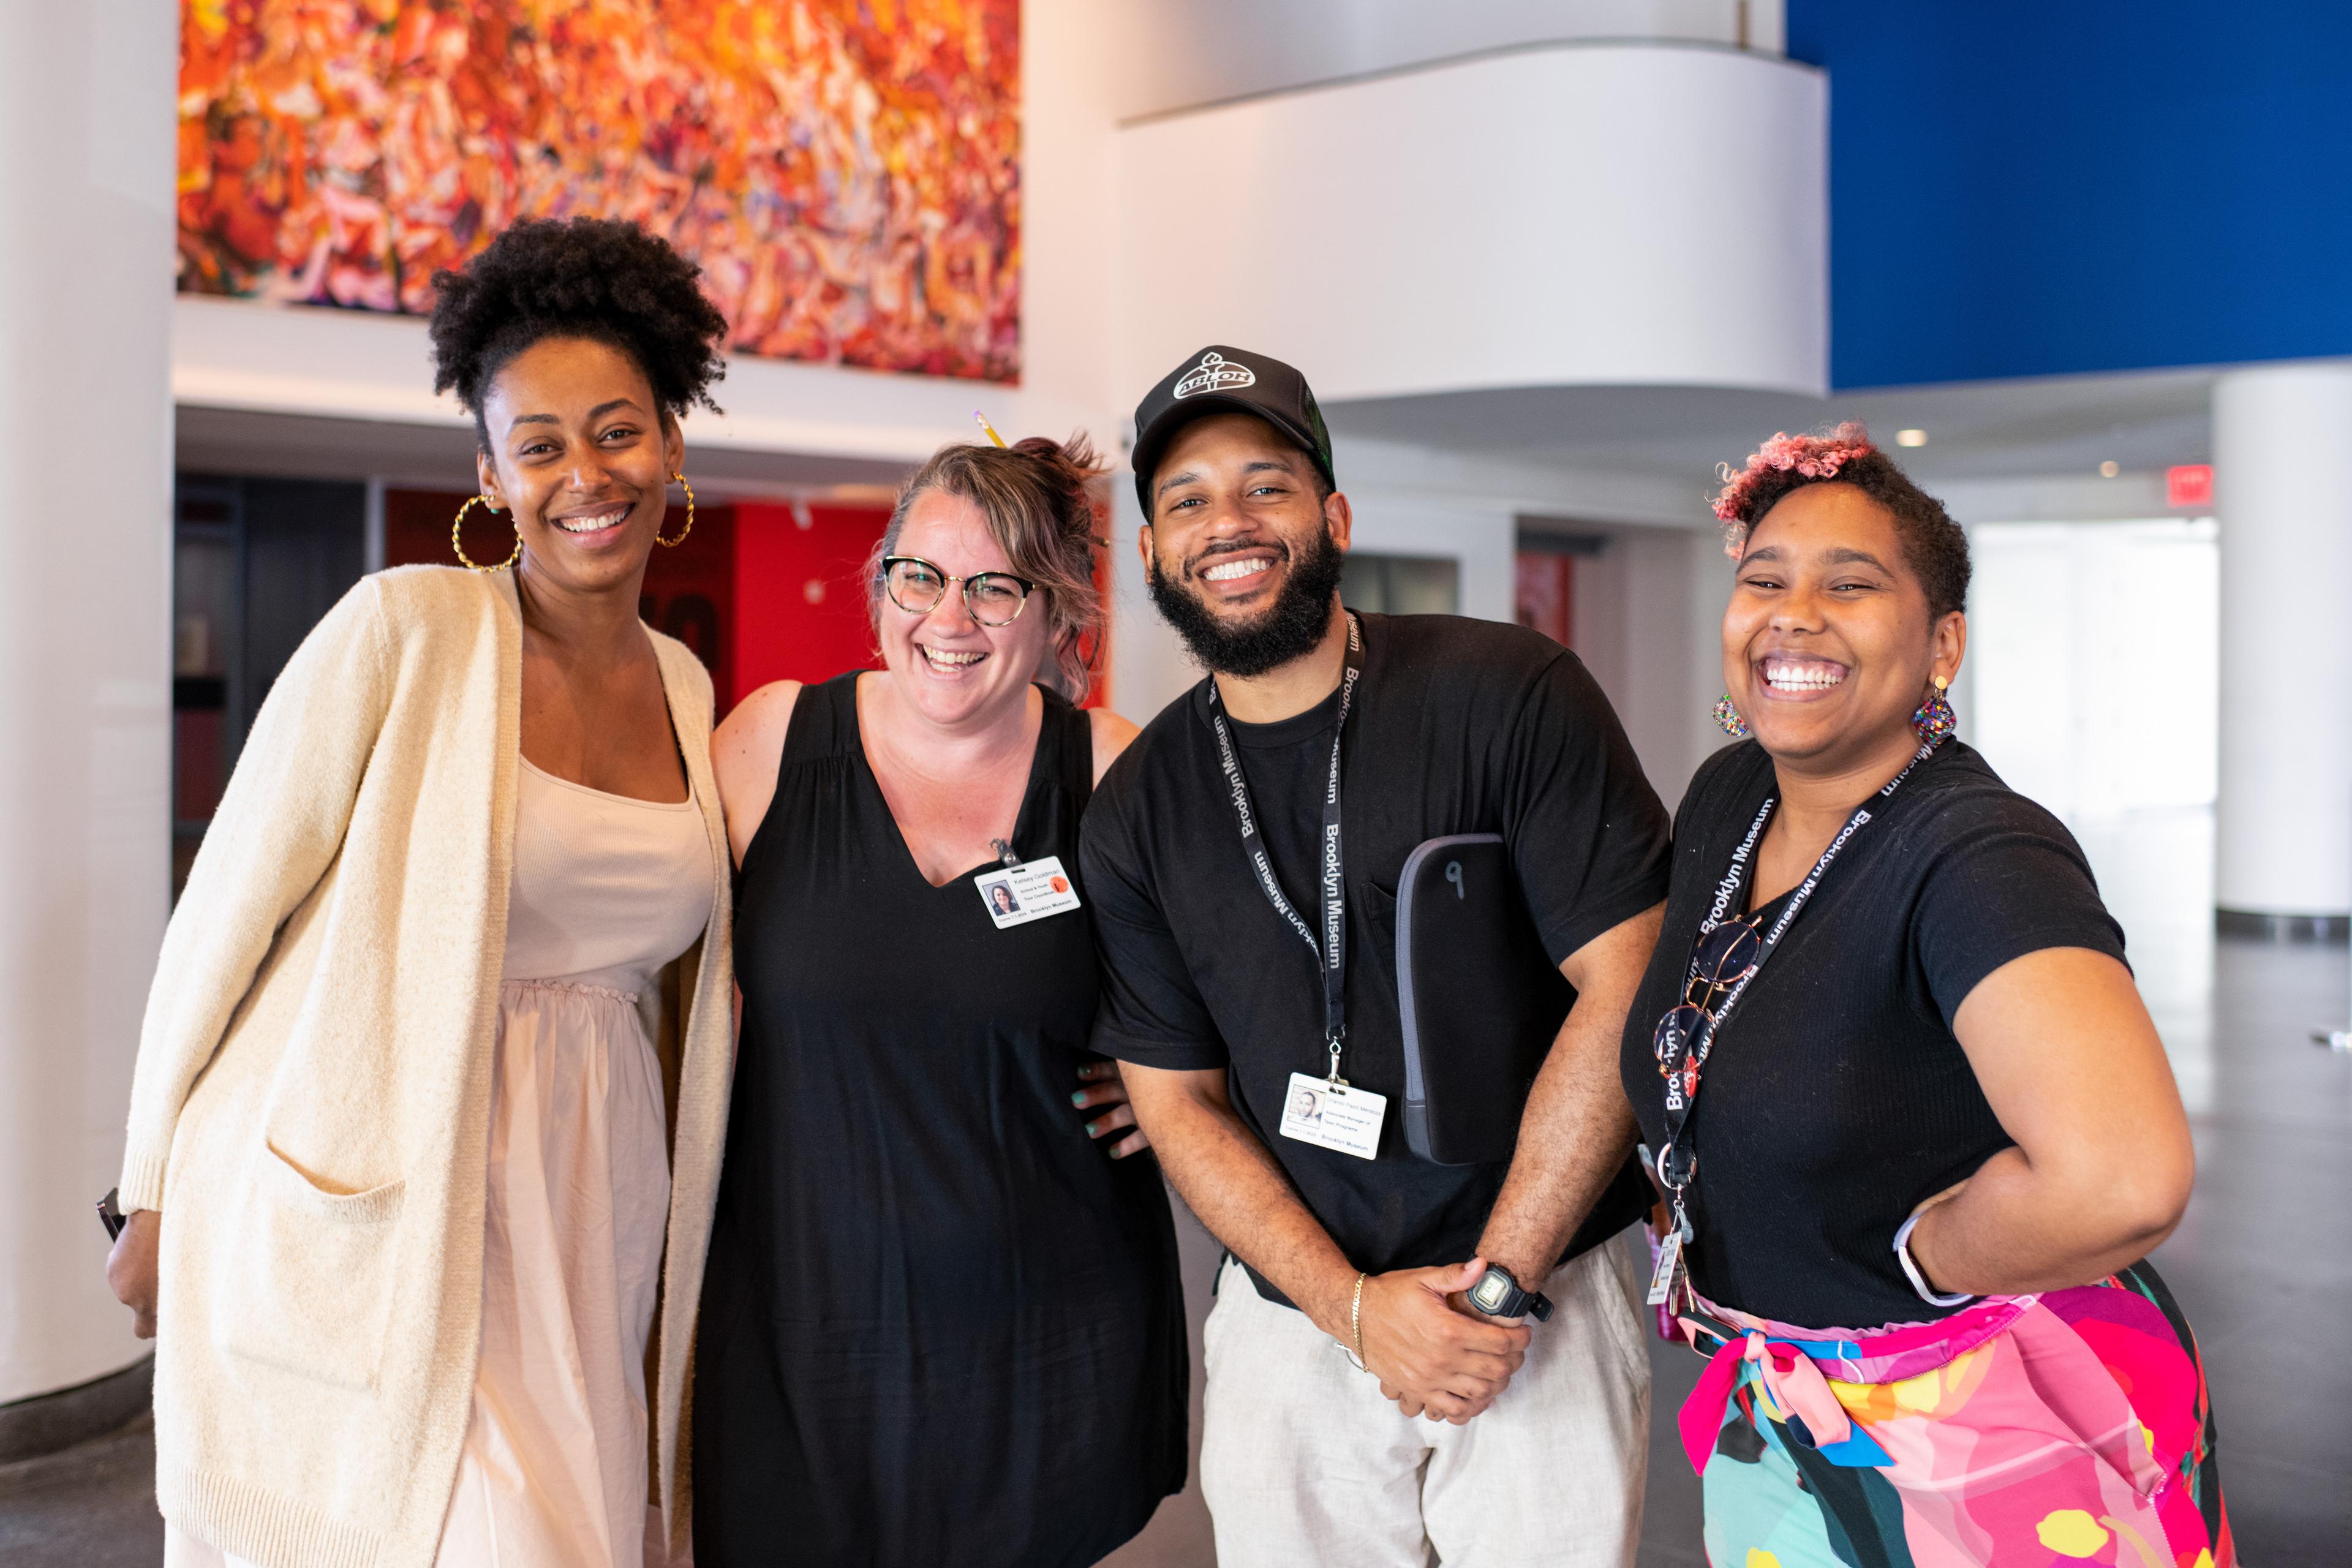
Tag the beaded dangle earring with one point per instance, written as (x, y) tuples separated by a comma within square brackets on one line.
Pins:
[(1935, 720), (1729, 717)]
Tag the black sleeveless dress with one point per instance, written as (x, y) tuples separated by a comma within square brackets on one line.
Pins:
[(939, 1324)]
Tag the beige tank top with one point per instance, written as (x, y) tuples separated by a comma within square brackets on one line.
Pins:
[(607, 889)]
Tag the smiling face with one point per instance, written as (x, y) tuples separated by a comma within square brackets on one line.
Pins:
[(955, 671), (1829, 645), (1244, 550), (580, 454)]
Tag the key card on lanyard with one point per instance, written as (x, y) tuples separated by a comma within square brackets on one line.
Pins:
[(1325, 1111)]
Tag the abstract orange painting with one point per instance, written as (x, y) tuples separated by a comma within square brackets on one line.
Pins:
[(846, 171)]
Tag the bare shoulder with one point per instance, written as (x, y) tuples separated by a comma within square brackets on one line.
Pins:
[(1111, 735), (745, 752), (753, 732)]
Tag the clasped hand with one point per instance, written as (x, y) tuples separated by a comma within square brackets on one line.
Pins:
[(1432, 1353)]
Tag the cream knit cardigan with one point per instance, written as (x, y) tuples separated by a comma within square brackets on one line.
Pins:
[(311, 1107)]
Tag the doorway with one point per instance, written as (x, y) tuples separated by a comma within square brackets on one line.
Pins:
[(2092, 686)]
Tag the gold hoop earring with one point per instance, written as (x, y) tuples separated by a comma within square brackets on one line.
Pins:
[(458, 544), (682, 532)]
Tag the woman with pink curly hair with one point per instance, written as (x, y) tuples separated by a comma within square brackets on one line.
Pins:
[(1937, 1109)]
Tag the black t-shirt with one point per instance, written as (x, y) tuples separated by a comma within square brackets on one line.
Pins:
[(1837, 1098), (1458, 726)]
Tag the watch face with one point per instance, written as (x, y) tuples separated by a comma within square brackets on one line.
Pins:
[(1488, 1293)]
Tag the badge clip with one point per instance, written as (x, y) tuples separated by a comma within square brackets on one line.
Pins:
[(1003, 848), (1666, 1273)]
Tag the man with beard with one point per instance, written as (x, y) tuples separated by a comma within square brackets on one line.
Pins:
[(1243, 857)]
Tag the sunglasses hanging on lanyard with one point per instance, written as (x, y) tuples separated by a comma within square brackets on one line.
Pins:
[(1726, 958)]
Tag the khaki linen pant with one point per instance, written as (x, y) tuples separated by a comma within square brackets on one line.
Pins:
[(1302, 1461)]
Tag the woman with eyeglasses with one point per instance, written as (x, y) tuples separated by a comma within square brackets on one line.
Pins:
[(1915, 1130), (945, 1326)]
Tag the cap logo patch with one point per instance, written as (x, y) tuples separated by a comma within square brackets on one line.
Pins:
[(1215, 374)]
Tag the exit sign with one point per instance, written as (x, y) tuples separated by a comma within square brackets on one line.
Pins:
[(2191, 484)]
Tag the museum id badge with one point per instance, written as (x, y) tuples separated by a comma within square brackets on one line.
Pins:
[(1016, 895), (1334, 1115), (1666, 1270)]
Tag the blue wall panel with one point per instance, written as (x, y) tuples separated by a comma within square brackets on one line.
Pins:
[(2037, 189)]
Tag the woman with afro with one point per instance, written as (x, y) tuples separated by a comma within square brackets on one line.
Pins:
[(431, 1183)]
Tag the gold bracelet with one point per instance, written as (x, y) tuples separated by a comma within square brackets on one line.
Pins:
[(1356, 1323)]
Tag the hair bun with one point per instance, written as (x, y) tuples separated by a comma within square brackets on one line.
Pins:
[(1073, 467)]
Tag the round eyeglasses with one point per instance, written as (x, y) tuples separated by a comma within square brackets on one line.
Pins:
[(991, 598)]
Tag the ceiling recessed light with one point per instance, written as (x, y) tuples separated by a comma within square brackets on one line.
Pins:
[(2110, 468), (1910, 438)]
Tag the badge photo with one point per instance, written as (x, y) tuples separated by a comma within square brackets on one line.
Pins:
[(1016, 895), (1334, 1115)]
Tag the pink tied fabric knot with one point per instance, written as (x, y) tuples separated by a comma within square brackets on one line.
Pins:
[(1795, 1383), (1817, 457)]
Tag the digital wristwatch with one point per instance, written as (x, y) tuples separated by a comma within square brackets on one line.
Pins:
[(1499, 1295)]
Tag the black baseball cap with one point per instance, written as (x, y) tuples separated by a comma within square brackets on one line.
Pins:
[(1222, 379)]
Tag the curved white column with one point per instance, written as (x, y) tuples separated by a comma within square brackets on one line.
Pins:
[(87, 183), (2282, 452), (1621, 213)]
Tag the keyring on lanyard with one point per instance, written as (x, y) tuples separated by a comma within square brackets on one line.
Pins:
[(1687, 1032)]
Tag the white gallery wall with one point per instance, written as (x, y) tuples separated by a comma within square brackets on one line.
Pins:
[(86, 153)]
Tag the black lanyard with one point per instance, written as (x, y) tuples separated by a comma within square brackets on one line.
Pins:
[(1681, 1058), (1331, 953)]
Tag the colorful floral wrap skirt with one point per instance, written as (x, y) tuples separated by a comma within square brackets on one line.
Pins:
[(2045, 1430)]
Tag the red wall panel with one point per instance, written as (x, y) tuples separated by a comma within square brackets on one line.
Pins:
[(1546, 595), (800, 603), (689, 590)]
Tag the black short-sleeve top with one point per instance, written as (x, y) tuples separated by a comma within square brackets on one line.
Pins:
[(1837, 1097), (1457, 726)]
